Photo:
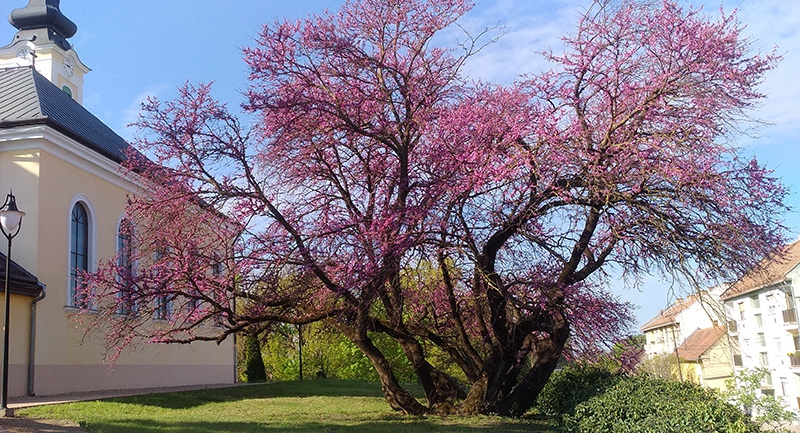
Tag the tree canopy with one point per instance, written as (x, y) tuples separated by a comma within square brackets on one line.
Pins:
[(383, 192)]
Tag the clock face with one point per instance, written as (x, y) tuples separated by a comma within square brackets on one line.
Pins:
[(25, 57), (68, 69)]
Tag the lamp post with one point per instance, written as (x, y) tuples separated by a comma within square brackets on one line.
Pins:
[(10, 221)]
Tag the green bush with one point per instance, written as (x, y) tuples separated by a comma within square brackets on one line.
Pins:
[(643, 404), (327, 353), (572, 385), (254, 365)]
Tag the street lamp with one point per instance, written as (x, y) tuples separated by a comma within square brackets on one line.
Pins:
[(10, 221)]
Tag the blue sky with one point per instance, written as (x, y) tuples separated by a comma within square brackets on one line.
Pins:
[(151, 47)]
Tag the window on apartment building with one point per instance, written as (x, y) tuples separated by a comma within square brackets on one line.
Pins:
[(789, 300), (759, 322), (796, 340), (784, 386), (755, 301), (763, 359), (741, 310), (777, 344), (125, 268), (762, 341), (78, 255), (771, 304)]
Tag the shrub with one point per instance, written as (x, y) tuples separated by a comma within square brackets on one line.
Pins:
[(574, 384), (254, 365), (644, 404), (769, 411)]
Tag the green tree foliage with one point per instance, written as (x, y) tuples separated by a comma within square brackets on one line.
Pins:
[(327, 353), (574, 384), (254, 370), (664, 366), (767, 410), (642, 404)]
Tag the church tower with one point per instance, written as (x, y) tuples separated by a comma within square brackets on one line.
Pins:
[(41, 42)]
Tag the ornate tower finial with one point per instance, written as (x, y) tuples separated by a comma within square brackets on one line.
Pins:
[(45, 14)]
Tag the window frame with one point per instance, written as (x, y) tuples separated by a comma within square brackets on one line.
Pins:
[(81, 200), (125, 260)]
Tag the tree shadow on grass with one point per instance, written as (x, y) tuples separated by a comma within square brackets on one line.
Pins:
[(417, 426), (27, 425), (306, 388)]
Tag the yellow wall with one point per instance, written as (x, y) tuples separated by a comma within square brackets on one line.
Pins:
[(46, 187), (717, 365)]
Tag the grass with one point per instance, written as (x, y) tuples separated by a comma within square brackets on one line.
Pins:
[(321, 406)]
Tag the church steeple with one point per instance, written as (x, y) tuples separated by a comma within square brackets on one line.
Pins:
[(45, 14), (41, 41)]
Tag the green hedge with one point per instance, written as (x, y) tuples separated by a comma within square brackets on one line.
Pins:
[(643, 404), (572, 385)]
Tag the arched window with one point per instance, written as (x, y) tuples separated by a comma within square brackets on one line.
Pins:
[(127, 301), (163, 301), (78, 254)]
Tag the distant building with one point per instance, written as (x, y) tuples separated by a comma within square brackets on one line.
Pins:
[(690, 330), (63, 165), (706, 357), (763, 323)]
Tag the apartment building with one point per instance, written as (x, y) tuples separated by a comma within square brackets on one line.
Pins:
[(763, 323)]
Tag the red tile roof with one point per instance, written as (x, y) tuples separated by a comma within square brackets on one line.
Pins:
[(771, 270), (699, 342), (667, 317)]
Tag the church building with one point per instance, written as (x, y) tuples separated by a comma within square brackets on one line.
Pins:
[(63, 165)]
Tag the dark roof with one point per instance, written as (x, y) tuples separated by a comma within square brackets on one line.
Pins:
[(699, 342), (40, 14), (772, 270), (667, 317), (20, 281), (43, 18), (27, 97)]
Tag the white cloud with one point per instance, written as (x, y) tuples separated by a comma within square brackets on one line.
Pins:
[(529, 29), (130, 114)]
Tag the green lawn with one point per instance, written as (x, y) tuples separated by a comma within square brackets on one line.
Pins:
[(324, 405)]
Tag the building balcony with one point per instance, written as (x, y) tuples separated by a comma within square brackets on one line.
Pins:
[(790, 316), (790, 321), (794, 359)]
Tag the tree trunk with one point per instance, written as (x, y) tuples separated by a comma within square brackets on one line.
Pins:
[(439, 387), (397, 397), (524, 395)]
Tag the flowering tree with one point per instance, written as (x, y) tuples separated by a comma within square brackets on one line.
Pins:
[(384, 194)]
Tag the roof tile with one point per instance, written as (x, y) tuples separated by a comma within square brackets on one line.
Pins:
[(771, 270), (699, 342), (27, 96)]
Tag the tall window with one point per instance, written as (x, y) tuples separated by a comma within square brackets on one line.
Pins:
[(216, 271), (163, 302), (125, 268), (78, 254)]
